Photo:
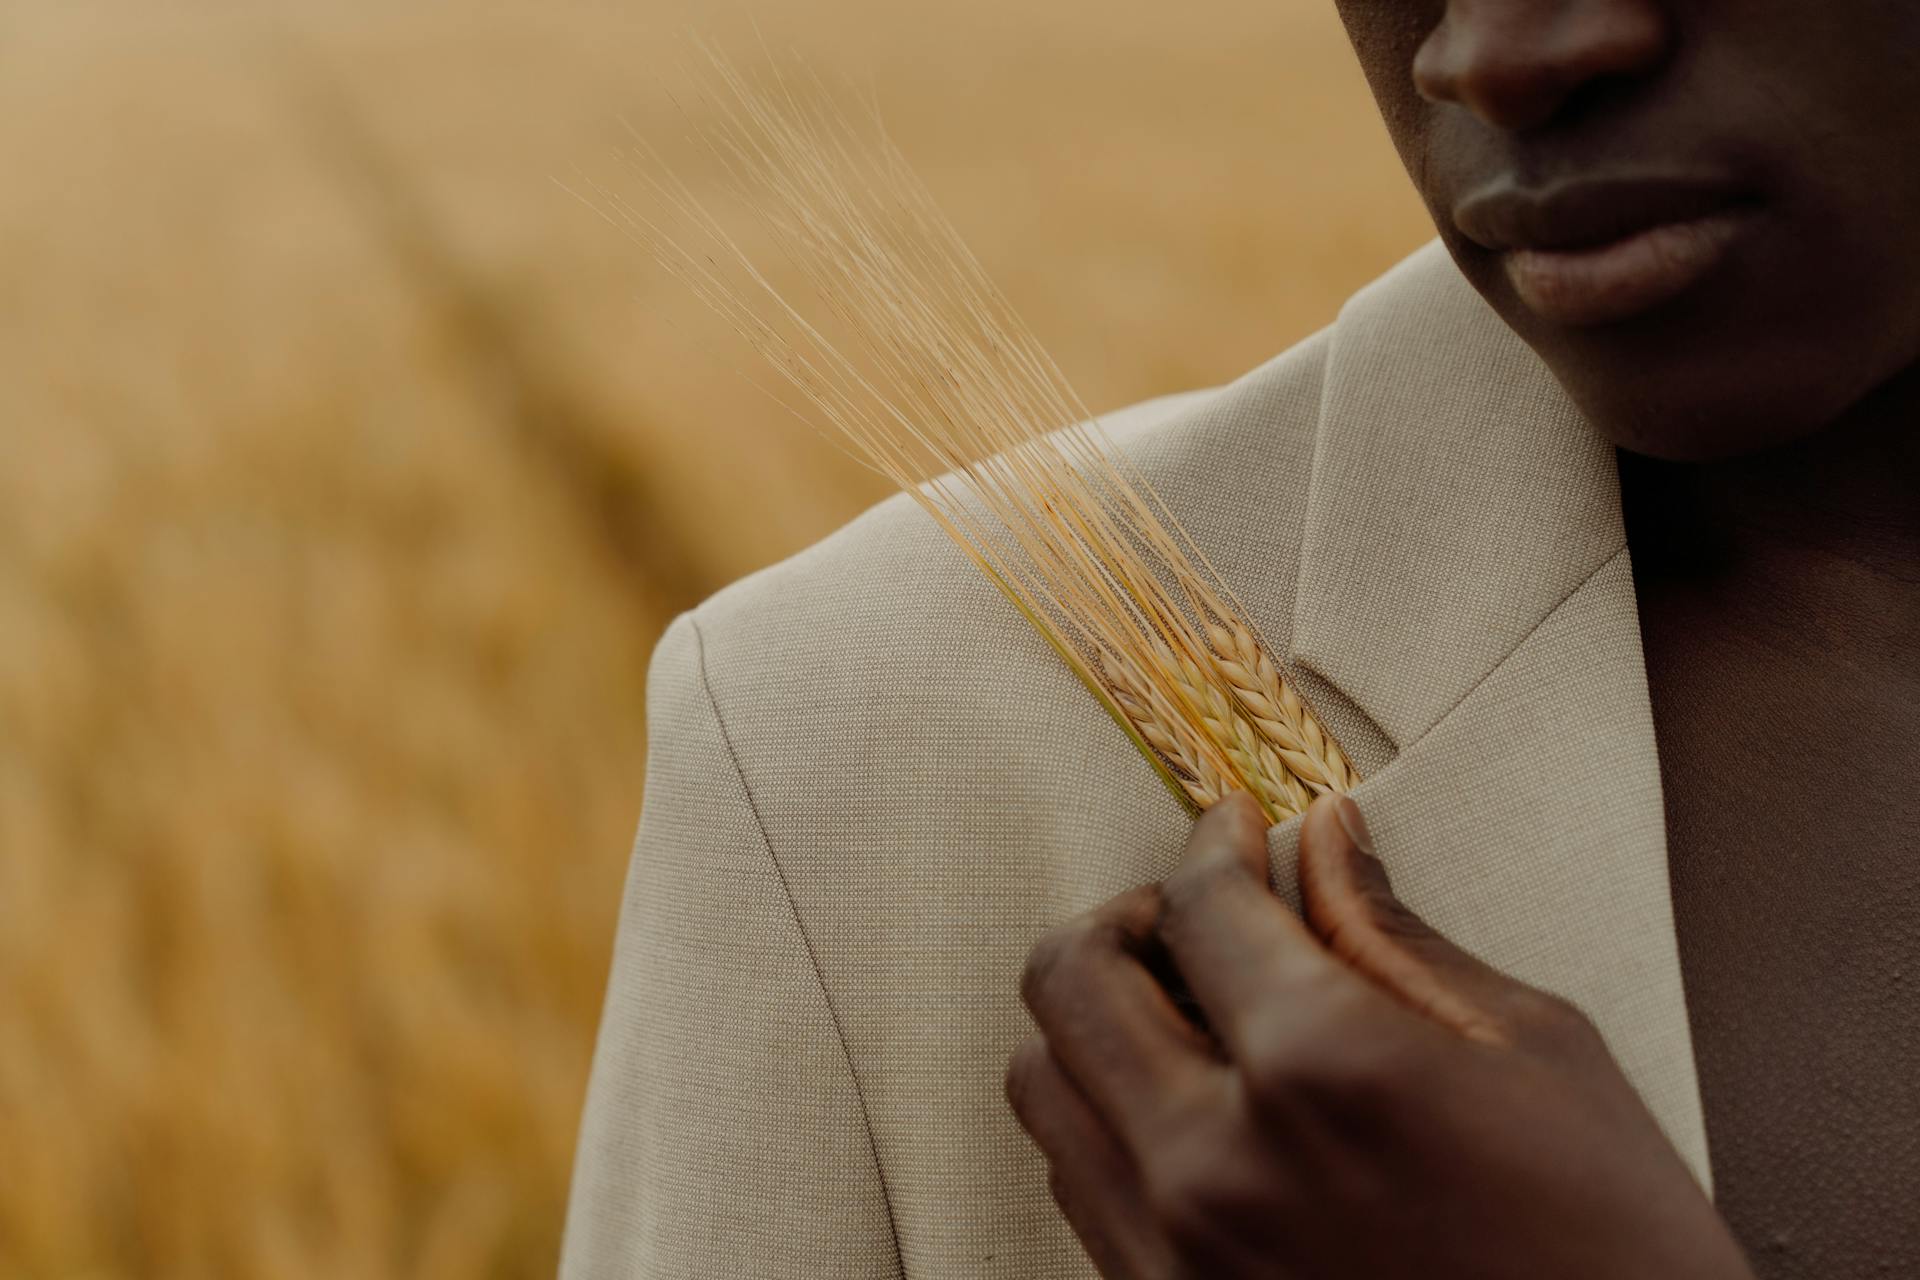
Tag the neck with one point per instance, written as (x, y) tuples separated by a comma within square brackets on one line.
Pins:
[(1850, 491)]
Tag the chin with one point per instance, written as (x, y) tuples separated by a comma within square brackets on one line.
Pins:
[(1682, 419), (1713, 382), (1752, 359)]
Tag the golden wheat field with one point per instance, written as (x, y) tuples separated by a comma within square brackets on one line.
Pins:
[(349, 467)]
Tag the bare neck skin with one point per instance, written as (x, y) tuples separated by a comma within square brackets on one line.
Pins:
[(1851, 492), (1780, 614)]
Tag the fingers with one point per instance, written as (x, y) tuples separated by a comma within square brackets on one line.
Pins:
[(1109, 1023), (1350, 905), (1093, 1180), (1248, 959)]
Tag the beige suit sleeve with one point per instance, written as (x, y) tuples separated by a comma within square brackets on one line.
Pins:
[(724, 1133)]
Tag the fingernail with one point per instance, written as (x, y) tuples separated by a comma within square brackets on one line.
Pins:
[(1355, 824)]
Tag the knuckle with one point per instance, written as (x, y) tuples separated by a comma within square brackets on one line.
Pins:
[(1122, 924), (1136, 916), (1559, 1019), (1024, 1072), (1394, 919), (1188, 889), (1053, 953), (1199, 876), (1272, 1057), (1330, 1065), (1143, 901), (1323, 1080)]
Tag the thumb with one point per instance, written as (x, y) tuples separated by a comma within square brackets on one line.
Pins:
[(1349, 903)]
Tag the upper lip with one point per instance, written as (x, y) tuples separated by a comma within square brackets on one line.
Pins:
[(1584, 213)]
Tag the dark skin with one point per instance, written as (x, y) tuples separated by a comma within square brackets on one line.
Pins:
[(1344, 1095), (1768, 600), (1756, 361)]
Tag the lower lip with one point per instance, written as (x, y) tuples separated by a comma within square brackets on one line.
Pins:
[(1613, 282)]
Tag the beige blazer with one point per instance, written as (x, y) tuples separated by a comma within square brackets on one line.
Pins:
[(872, 787)]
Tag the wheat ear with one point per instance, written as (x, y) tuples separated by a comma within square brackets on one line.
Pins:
[(946, 392), (1309, 753), (1201, 780)]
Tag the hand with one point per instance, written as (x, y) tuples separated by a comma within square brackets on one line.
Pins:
[(1351, 1095)]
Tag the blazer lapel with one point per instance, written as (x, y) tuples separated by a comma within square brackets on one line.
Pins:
[(1464, 584)]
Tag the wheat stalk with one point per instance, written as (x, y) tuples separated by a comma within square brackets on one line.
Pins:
[(937, 384)]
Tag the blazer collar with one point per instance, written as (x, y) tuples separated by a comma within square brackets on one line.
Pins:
[(1464, 583), (1457, 497)]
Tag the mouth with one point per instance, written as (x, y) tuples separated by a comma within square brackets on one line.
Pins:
[(1599, 251)]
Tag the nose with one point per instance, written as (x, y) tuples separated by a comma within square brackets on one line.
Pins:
[(1517, 63)]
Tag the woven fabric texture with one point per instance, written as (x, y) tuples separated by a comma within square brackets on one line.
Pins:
[(872, 787)]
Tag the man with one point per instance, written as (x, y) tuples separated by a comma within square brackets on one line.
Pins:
[(1636, 731), (1694, 213)]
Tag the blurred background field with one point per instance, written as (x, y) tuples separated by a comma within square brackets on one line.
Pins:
[(349, 468)]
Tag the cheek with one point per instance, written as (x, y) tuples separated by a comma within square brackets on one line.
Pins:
[(1386, 34)]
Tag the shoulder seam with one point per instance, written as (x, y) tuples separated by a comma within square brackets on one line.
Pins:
[(806, 939)]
